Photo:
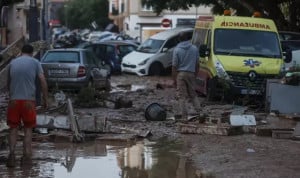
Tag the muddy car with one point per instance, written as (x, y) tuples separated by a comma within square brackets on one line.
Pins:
[(112, 52), (73, 69)]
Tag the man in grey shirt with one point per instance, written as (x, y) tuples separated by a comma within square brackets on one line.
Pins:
[(23, 72), (185, 66)]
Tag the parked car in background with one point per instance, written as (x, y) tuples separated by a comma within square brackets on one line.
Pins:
[(112, 52), (295, 63), (290, 44), (101, 36), (154, 56), (288, 35), (73, 69)]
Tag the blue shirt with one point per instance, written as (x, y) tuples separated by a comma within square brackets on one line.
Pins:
[(185, 57), (24, 72)]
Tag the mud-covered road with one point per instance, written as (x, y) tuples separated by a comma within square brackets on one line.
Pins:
[(242, 155)]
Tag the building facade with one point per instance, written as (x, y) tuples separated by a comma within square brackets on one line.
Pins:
[(18, 18), (137, 20)]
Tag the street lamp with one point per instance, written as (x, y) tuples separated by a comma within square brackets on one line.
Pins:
[(66, 14), (33, 21)]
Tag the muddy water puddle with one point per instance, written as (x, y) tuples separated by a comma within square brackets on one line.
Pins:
[(142, 159)]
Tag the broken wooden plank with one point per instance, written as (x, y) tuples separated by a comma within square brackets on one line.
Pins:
[(116, 138), (209, 129), (125, 130), (282, 133), (264, 132)]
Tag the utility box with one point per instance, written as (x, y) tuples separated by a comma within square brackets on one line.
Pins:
[(282, 98)]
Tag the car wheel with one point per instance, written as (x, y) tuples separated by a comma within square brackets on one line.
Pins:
[(91, 84), (109, 69), (156, 69), (107, 85), (210, 90), (120, 37)]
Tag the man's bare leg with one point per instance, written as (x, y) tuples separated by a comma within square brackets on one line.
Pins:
[(27, 150), (13, 133)]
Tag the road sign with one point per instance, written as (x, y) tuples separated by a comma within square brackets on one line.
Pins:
[(166, 22)]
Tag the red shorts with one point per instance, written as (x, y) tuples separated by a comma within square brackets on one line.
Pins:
[(21, 110)]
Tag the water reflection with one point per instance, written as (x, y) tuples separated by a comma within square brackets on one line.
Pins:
[(142, 160)]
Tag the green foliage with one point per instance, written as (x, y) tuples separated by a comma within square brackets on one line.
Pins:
[(9, 2), (80, 14), (285, 13)]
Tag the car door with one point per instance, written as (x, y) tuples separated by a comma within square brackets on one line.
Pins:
[(90, 61), (98, 50)]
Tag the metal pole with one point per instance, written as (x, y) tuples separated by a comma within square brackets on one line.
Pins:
[(33, 22)]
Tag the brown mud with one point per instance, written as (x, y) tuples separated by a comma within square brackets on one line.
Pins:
[(244, 155)]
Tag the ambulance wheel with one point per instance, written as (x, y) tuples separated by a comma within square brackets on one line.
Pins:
[(211, 90)]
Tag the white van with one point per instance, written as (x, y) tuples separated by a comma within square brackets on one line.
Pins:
[(154, 55)]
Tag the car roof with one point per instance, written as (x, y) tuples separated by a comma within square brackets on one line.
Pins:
[(290, 34), (67, 49), (291, 44), (171, 32), (114, 42)]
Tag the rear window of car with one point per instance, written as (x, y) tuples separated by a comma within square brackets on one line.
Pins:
[(62, 57), (125, 49)]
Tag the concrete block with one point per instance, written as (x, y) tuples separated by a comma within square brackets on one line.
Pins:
[(240, 120), (296, 134), (52, 121)]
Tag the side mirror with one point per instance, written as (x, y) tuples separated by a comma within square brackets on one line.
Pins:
[(204, 51), (164, 50), (287, 56)]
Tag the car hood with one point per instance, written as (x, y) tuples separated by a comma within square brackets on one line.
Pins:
[(136, 57)]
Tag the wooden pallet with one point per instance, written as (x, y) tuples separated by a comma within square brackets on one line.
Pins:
[(210, 129)]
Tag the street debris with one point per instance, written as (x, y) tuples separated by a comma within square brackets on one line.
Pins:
[(296, 133), (77, 135), (240, 120), (225, 130), (282, 133), (154, 112), (250, 150)]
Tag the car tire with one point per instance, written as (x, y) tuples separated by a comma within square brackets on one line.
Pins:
[(156, 69), (210, 90), (108, 68), (91, 84)]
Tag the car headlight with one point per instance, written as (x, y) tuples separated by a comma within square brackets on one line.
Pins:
[(144, 62), (221, 71)]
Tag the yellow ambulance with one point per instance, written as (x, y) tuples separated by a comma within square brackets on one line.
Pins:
[(237, 55)]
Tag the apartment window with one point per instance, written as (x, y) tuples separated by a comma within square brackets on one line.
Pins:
[(147, 8), (122, 7), (115, 10)]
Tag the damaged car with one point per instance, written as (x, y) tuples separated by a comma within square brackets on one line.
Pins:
[(73, 69)]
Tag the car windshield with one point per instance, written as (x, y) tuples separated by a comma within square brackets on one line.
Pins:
[(61, 57), (151, 46), (246, 43)]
